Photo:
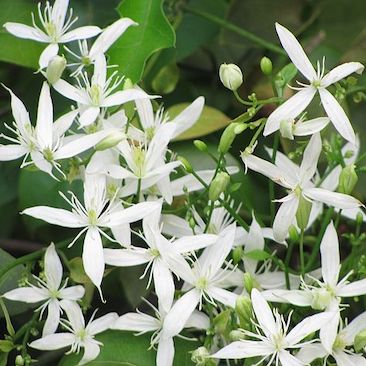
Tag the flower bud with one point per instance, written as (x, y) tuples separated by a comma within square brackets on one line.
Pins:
[(111, 140), (248, 282), (236, 335), (266, 66), (19, 361), (186, 164), (347, 179), (218, 185), (227, 138), (359, 218), (303, 212), (243, 309), (237, 254), (200, 145), (231, 76), (201, 357), (359, 342), (55, 68)]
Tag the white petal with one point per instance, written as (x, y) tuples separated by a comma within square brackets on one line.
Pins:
[(62, 124), (93, 258), (285, 216), (244, 349), (126, 257), (181, 268), (48, 53), (26, 32), (307, 326), (289, 110), (122, 234), (310, 352), (53, 318), (165, 353), (329, 251), (198, 320), (145, 112), (102, 324), (109, 36), (287, 359), (125, 96), (271, 280), (91, 352), (53, 341), (263, 313), (330, 183), (341, 71), (295, 297), (328, 332), (174, 225), (52, 268), (344, 359), (335, 199), (72, 293), (80, 33), (164, 285), (12, 152), (352, 329), (295, 52), (136, 322), (55, 216), (27, 294), (194, 242), (74, 314), (88, 116), (59, 11), (227, 298), (337, 115), (100, 71), (356, 288), (70, 92), (311, 126), (177, 317), (310, 158), (354, 149)]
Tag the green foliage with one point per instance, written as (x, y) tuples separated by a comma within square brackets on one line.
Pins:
[(152, 34), (126, 349)]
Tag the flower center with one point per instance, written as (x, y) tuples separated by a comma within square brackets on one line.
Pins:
[(82, 334), (85, 60), (54, 294), (278, 341), (150, 132), (154, 252), (321, 298), (339, 343), (95, 94), (51, 30), (92, 217), (316, 83), (48, 154), (202, 283), (139, 156)]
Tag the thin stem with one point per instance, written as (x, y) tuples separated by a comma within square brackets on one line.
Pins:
[(27, 334), (212, 206), (234, 28), (287, 263), (138, 190), (301, 248), (240, 99), (259, 130), (271, 183)]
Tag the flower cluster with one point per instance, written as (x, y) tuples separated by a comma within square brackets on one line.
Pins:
[(208, 267)]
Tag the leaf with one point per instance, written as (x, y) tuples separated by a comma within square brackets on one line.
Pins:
[(153, 33), (258, 255), (284, 76), (3, 358), (166, 79), (126, 349), (211, 120)]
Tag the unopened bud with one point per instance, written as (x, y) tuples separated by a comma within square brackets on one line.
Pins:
[(200, 145), (201, 357), (303, 212), (231, 76), (227, 138), (248, 282), (266, 66), (243, 309), (19, 361), (359, 342), (237, 335), (186, 164), (218, 185), (55, 68), (110, 141), (237, 254), (347, 179)]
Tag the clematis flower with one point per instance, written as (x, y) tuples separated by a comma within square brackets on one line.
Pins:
[(56, 29), (300, 185), (45, 143), (79, 335), (272, 338), (203, 282), (143, 323), (341, 349), (96, 213), (159, 249), (48, 291), (318, 82), (98, 92)]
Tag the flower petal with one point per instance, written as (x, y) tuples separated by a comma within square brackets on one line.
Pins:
[(288, 359), (244, 349), (198, 320), (136, 322), (125, 257), (48, 53), (295, 297), (91, 352), (62, 124), (164, 285), (328, 332), (352, 329), (59, 11), (70, 92), (53, 341), (101, 324), (124, 96), (72, 293), (342, 71), (80, 33), (26, 32), (52, 268), (12, 152), (310, 158), (53, 318), (356, 288), (310, 352), (310, 126), (29, 295), (337, 115), (74, 314), (88, 116), (194, 242), (227, 298)]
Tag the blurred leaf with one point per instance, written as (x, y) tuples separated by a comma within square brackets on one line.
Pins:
[(77, 272), (166, 79), (211, 120), (153, 33), (258, 255), (126, 349), (3, 358)]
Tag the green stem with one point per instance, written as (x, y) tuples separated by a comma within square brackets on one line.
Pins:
[(259, 130), (138, 190), (240, 99), (242, 32), (301, 248), (27, 334), (287, 263), (9, 326), (271, 183), (212, 206)]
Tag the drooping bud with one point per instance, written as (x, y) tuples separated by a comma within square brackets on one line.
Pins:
[(266, 66), (243, 309), (287, 129), (201, 357), (303, 212), (237, 254), (231, 76), (200, 145), (248, 282), (347, 179), (218, 185), (186, 164), (55, 68), (359, 342), (111, 140)]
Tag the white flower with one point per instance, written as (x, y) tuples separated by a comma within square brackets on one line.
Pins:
[(98, 92), (272, 338), (49, 291), (317, 82), (79, 335), (204, 282), (55, 29), (45, 143), (159, 249), (300, 185), (96, 213), (143, 323), (344, 338)]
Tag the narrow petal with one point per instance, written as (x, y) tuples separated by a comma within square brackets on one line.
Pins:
[(174, 225), (52, 268), (329, 251), (74, 314), (310, 158), (227, 298), (48, 53), (287, 359), (102, 324), (72, 293), (198, 320), (53, 318), (12, 152), (329, 330), (55, 216), (91, 352), (310, 352), (164, 285), (191, 243), (122, 234), (345, 359), (62, 124), (352, 329), (146, 113), (70, 92), (53, 341), (165, 353), (177, 317), (334, 199), (136, 322), (289, 110), (100, 71), (125, 257), (80, 33), (29, 295), (26, 32), (356, 288), (88, 116), (59, 11), (342, 71), (295, 52), (244, 349), (310, 126), (337, 115), (125, 96), (285, 217), (295, 297)]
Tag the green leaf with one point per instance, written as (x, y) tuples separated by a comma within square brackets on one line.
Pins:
[(3, 358), (153, 33), (258, 255), (126, 349), (166, 79), (211, 120), (284, 76)]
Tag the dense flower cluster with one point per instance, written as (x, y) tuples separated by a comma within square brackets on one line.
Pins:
[(199, 265)]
